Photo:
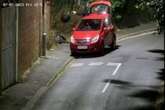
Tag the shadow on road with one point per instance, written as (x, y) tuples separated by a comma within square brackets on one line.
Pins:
[(148, 107), (159, 51), (126, 84), (148, 93), (118, 82), (161, 72), (153, 95), (161, 76)]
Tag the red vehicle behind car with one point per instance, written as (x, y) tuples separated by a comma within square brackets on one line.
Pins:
[(98, 6), (101, 6), (92, 34)]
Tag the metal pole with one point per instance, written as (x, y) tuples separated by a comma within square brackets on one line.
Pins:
[(0, 51), (40, 30), (44, 43), (44, 34), (17, 37)]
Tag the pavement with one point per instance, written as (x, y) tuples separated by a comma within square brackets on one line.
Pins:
[(46, 70)]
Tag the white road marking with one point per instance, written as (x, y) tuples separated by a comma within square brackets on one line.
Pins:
[(135, 36), (115, 64), (136, 33), (114, 73), (77, 64), (95, 63), (112, 64), (118, 66), (105, 87)]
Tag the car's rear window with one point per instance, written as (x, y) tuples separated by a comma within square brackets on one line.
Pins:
[(89, 25)]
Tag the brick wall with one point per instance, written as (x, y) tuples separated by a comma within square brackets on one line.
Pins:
[(29, 35)]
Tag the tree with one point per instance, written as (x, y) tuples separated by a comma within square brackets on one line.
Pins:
[(124, 7)]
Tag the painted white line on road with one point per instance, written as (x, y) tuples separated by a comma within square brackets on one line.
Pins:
[(118, 66), (135, 36), (96, 64), (112, 64), (76, 64), (105, 87), (136, 33), (114, 73)]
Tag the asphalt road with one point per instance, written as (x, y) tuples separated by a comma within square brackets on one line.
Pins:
[(127, 78)]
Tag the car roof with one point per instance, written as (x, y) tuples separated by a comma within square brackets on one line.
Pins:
[(96, 16), (105, 2)]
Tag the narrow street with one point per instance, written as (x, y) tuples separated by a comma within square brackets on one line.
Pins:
[(40, 68), (124, 79)]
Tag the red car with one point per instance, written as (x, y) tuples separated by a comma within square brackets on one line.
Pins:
[(92, 34)]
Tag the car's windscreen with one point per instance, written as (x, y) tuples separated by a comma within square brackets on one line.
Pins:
[(89, 25), (99, 9)]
